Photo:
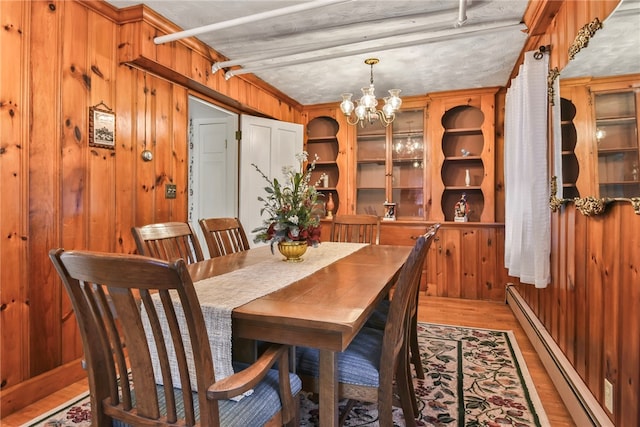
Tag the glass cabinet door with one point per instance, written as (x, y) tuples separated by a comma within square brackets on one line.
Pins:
[(407, 155), (616, 136), (371, 169), (390, 166)]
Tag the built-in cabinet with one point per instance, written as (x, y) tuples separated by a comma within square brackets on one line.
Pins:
[(326, 144), (600, 141), (439, 149), (322, 147), (462, 138), (420, 162), (465, 260), (616, 134)]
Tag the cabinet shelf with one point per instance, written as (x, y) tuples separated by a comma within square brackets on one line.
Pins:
[(406, 134), (463, 131), (407, 187), (324, 163), (376, 161), (463, 158), (463, 188), (371, 136), (320, 139), (620, 183), (370, 188), (615, 120), (613, 150), (397, 160)]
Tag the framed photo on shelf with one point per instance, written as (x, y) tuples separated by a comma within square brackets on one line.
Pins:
[(102, 128)]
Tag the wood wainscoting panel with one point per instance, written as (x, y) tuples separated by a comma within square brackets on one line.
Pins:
[(593, 318)]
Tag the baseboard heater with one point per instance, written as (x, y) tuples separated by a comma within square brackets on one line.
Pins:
[(580, 402)]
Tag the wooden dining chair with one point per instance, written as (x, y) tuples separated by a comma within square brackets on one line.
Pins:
[(224, 236), (168, 240), (374, 359), (379, 317), (355, 229), (118, 349)]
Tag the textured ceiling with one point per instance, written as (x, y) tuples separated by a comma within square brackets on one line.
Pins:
[(614, 49), (420, 47)]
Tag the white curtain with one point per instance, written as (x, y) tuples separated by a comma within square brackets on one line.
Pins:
[(527, 213)]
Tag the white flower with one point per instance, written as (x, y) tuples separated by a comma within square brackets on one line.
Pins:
[(293, 219), (288, 170)]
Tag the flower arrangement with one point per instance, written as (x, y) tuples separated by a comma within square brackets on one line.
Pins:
[(290, 206)]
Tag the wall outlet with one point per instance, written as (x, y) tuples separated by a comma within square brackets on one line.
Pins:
[(170, 191), (608, 395)]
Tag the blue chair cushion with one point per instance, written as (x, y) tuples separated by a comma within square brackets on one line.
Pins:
[(251, 411), (378, 318), (359, 364)]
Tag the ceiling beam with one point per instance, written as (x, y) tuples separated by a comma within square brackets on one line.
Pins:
[(437, 36), (246, 19)]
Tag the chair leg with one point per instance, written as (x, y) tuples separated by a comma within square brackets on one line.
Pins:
[(415, 348), (406, 392), (346, 412), (295, 421), (412, 392)]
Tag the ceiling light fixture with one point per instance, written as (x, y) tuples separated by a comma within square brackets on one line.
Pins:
[(366, 110)]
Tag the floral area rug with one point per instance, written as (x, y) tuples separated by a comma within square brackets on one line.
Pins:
[(474, 377)]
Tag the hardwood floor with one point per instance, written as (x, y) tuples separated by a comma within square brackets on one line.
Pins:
[(479, 314)]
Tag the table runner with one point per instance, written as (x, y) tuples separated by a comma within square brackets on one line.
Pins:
[(219, 295)]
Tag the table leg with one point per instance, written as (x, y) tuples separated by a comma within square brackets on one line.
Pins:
[(328, 373)]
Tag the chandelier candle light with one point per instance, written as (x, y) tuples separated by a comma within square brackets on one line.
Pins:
[(366, 108)]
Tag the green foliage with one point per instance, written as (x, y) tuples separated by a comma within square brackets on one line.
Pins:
[(290, 206)]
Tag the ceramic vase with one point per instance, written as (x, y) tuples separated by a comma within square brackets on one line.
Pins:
[(330, 206)]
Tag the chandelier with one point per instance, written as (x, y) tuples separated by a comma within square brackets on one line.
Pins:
[(366, 110)]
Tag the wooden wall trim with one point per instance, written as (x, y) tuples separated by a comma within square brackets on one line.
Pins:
[(36, 388)]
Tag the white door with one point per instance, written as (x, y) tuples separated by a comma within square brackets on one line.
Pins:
[(271, 145), (213, 165)]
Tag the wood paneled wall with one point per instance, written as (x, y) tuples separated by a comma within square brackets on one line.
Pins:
[(61, 57), (590, 308), (58, 59)]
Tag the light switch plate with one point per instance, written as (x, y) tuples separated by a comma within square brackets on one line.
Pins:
[(608, 395), (170, 191)]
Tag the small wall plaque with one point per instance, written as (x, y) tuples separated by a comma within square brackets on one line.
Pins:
[(102, 127)]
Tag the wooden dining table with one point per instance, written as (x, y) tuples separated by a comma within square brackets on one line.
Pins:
[(323, 310)]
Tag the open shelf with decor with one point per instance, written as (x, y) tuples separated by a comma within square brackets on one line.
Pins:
[(570, 164), (322, 141), (462, 134)]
